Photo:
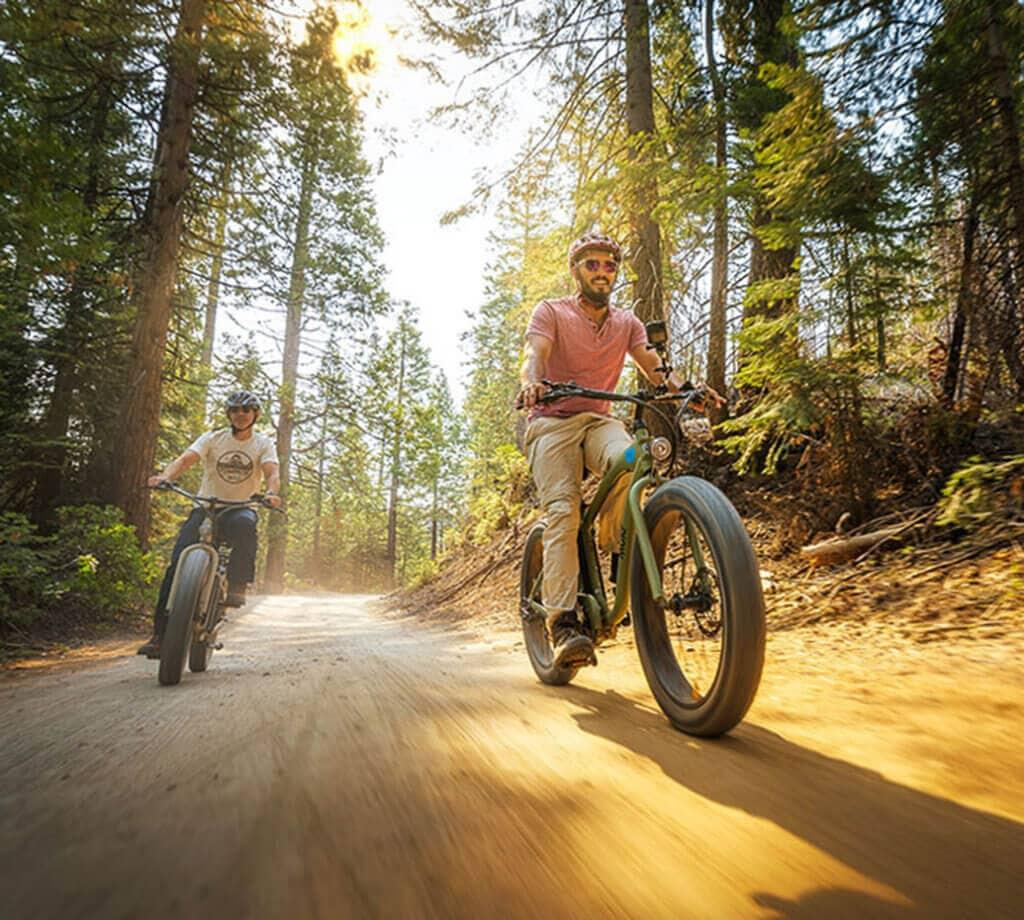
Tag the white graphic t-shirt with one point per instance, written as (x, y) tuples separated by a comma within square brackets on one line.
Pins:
[(233, 469)]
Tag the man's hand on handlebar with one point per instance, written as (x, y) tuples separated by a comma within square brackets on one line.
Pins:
[(158, 481), (529, 394), (707, 397)]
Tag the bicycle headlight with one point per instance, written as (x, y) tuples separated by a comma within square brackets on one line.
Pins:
[(661, 449)]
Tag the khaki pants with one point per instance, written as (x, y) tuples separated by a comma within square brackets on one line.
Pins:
[(557, 449)]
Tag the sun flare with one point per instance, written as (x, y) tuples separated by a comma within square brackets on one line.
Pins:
[(360, 44)]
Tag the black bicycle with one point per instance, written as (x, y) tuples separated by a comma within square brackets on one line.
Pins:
[(196, 602)]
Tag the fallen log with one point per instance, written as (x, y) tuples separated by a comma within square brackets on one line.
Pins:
[(830, 552)]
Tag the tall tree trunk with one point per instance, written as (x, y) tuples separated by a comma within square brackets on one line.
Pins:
[(770, 44), (433, 522), (720, 218), (851, 307), (1005, 87), (648, 294), (1004, 84), (954, 356), (71, 339), (213, 285), (140, 412), (769, 265), (319, 504), (277, 530), (396, 456)]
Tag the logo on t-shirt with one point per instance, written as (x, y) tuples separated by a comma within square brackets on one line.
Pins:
[(234, 467)]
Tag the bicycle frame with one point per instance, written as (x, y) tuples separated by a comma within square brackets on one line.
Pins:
[(604, 619)]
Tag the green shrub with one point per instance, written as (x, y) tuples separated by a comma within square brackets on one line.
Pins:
[(980, 489), (805, 412), (101, 569), (91, 567), (25, 565)]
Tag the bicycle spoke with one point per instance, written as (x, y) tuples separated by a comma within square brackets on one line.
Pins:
[(694, 617)]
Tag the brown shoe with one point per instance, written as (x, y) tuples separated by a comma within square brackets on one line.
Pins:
[(152, 648), (236, 596), (571, 646)]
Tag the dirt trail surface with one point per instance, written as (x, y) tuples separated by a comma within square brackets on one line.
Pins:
[(340, 762)]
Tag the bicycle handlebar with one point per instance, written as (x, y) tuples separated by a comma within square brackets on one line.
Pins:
[(253, 500), (563, 390)]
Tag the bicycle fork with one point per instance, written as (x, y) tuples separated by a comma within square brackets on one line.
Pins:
[(206, 632)]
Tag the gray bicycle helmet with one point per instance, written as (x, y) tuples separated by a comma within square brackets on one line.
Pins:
[(242, 399)]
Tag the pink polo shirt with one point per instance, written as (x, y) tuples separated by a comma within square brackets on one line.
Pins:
[(582, 353)]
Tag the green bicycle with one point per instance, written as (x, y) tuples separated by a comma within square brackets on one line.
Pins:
[(685, 575)]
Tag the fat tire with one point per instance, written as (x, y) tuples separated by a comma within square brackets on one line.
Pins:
[(739, 584), (181, 619), (535, 633), (200, 653)]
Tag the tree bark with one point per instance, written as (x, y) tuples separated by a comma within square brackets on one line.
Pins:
[(396, 456), (434, 526), (1006, 104), (648, 293), (851, 307), (954, 356), (140, 412), (277, 529), (769, 44), (213, 285), (1004, 85), (720, 218), (319, 506)]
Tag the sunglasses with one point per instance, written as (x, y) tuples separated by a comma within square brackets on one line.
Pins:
[(592, 265)]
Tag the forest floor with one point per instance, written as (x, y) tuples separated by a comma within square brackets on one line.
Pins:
[(72, 639), (923, 586)]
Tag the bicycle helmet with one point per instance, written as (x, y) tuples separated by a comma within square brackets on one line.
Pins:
[(593, 239), (242, 399)]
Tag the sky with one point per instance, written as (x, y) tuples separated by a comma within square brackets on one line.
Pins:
[(428, 169)]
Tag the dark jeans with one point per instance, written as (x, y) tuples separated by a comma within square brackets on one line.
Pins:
[(237, 529)]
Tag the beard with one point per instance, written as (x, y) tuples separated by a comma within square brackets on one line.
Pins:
[(597, 298)]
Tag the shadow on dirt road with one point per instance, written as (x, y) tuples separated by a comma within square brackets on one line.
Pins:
[(944, 858)]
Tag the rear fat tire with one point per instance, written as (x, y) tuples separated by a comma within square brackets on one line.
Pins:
[(199, 656), (535, 631), (181, 619), (742, 610), (200, 653)]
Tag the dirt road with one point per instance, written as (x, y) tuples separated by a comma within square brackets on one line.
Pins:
[(335, 762)]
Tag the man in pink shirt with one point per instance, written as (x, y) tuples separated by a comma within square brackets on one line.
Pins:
[(583, 339)]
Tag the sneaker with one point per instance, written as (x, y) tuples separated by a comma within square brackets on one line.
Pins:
[(236, 596), (152, 648), (571, 646)]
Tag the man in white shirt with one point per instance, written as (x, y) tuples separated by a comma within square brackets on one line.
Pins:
[(236, 460)]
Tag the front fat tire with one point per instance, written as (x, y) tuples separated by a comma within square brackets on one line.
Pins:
[(538, 644), (181, 619), (739, 585)]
